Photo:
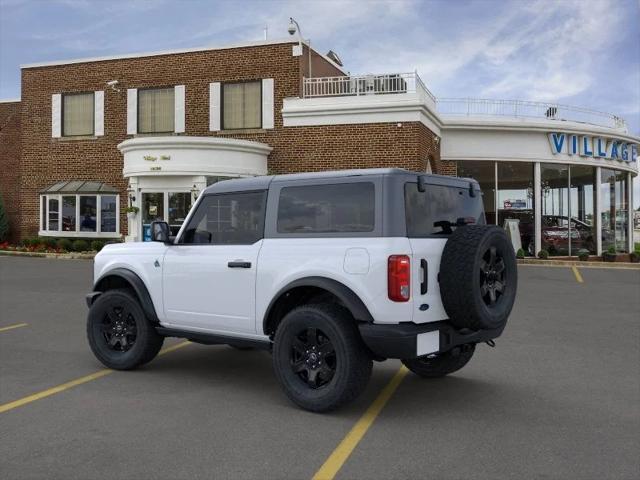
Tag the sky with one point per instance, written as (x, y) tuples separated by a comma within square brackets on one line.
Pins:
[(582, 52)]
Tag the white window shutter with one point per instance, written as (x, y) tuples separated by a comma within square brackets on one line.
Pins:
[(214, 106), (132, 111), (56, 115), (178, 96), (267, 103), (98, 113)]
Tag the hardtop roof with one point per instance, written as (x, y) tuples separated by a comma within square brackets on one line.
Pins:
[(263, 182)]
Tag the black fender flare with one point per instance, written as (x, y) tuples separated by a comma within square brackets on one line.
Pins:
[(135, 282), (347, 296)]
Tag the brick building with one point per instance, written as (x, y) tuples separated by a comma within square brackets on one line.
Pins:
[(90, 138)]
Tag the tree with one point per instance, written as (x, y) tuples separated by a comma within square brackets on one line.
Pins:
[(4, 222)]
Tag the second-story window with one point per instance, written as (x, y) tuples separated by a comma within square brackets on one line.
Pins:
[(78, 114), (156, 110), (241, 105)]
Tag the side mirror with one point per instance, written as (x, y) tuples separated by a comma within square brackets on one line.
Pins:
[(160, 232)]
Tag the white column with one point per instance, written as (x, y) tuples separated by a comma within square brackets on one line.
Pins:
[(630, 212), (133, 221), (598, 212), (537, 211)]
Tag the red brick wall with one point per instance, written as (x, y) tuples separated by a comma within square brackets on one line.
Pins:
[(46, 160), (10, 162)]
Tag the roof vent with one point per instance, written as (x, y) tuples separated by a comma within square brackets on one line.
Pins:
[(333, 56)]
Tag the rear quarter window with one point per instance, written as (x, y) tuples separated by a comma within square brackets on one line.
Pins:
[(328, 208), (440, 209)]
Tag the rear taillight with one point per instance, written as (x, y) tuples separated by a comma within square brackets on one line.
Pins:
[(398, 278)]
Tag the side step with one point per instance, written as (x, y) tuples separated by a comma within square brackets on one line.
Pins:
[(213, 339)]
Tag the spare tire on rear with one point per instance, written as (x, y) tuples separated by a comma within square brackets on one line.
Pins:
[(478, 277)]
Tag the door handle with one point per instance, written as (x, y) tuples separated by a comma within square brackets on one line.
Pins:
[(425, 275), (239, 264)]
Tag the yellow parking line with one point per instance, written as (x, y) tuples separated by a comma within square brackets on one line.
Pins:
[(11, 327), (577, 274), (73, 383), (342, 452)]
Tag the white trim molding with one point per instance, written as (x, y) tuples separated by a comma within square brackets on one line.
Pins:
[(391, 108), (98, 113), (214, 107), (132, 111), (56, 115), (179, 102), (186, 155), (268, 108)]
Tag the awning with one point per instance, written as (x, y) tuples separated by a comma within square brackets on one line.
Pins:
[(80, 186)]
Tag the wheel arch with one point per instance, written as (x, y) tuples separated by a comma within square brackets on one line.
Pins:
[(124, 278), (294, 293)]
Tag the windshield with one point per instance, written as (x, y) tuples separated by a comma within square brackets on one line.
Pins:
[(440, 209)]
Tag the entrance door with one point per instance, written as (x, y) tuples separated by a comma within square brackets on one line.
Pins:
[(170, 207), (209, 277)]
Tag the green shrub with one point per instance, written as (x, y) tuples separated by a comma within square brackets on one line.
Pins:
[(520, 253), (97, 245), (65, 244), (4, 223), (80, 245), (634, 257), (30, 242), (543, 254), (611, 249), (583, 254), (48, 242)]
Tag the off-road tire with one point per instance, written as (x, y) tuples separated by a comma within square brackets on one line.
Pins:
[(352, 361), (147, 342), (434, 366), (463, 277)]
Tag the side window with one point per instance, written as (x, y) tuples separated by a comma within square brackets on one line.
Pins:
[(337, 208), (227, 219)]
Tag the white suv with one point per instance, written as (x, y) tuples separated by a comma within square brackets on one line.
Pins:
[(329, 271)]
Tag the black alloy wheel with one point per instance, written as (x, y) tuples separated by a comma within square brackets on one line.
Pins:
[(319, 357), (492, 280), (119, 328), (119, 333), (313, 357)]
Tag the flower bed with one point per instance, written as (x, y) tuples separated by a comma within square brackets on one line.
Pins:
[(55, 246)]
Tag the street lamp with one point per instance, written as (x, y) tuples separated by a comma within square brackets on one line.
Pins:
[(293, 28)]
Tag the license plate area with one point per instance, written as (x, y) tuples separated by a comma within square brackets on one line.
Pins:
[(427, 343)]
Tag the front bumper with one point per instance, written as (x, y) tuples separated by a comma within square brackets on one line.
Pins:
[(410, 340)]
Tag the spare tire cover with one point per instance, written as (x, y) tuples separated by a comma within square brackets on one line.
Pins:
[(478, 277)]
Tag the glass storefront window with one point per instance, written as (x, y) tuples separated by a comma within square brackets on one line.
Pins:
[(179, 206), (88, 213), (581, 204), (614, 208), (108, 213), (555, 208), (69, 213), (485, 174), (53, 213), (77, 215), (515, 200)]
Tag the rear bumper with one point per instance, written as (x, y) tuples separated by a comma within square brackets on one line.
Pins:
[(409, 340)]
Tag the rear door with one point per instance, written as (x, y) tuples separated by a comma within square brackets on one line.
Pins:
[(431, 216)]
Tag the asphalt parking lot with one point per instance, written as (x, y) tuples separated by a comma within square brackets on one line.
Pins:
[(559, 396)]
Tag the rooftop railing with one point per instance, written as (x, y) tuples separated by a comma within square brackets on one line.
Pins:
[(398, 83), (525, 109), (356, 85)]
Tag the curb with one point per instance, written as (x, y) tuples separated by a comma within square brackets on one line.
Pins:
[(60, 256), (577, 263)]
